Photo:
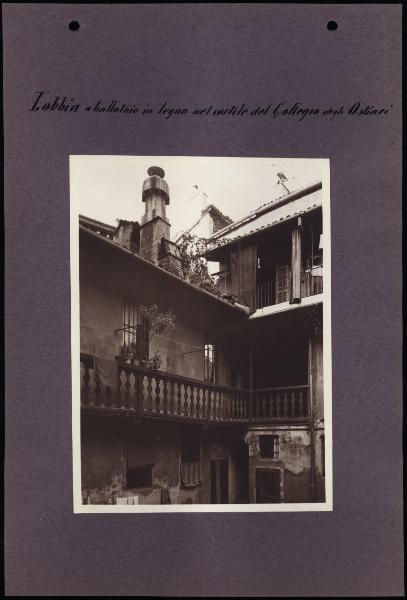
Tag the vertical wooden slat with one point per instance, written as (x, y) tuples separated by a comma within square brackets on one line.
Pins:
[(199, 402), (285, 405), (165, 396), (184, 399), (157, 393), (140, 394), (210, 403), (209, 399), (194, 400), (204, 402), (172, 400), (179, 391), (300, 404), (278, 405), (149, 393), (293, 405), (296, 265)]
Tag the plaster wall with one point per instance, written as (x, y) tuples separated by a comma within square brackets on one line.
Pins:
[(105, 450), (294, 462)]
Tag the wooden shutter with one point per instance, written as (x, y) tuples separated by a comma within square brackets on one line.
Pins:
[(282, 279), (243, 269)]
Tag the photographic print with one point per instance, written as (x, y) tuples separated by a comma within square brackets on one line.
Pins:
[(200, 334), (203, 299)]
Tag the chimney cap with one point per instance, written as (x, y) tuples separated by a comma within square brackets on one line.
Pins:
[(156, 171)]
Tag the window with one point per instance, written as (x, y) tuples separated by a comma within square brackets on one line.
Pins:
[(210, 363), (269, 446), (140, 459), (191, 462), (268, 486), (141, 476), (135, 330)]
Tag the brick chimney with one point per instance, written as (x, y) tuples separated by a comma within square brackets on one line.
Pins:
[(128, 234), (154, 224)]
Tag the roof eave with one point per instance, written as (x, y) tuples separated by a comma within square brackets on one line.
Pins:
[(159, 269)]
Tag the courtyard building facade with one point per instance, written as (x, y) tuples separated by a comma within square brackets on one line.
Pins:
[(222, 402)]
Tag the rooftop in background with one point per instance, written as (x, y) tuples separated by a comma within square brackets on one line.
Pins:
[(218, 217)]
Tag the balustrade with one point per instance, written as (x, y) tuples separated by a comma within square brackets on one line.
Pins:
[(144, 392)]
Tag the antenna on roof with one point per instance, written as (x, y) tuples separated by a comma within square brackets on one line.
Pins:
[(203, 195), (281, 179)]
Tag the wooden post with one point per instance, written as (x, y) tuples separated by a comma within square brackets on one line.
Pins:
[(296, 264), (251, 381), (311, 412)]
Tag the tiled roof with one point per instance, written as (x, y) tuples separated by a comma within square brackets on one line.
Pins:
[(215, 209), (271, 213)]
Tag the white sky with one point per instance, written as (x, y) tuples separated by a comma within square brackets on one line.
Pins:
[(107, 188)]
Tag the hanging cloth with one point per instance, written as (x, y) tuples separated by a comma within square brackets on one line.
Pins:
[(106, 372)]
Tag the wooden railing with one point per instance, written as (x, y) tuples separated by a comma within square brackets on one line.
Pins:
[(147, 393), (155, 393), (266, 291), (280, 404)]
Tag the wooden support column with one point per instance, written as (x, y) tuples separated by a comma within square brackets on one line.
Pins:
[(251, 413), (311, 416), (295, 296)]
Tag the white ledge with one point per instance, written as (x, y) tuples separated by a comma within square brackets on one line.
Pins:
[(284, 306)]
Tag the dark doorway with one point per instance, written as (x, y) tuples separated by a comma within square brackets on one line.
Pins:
[(219, 482), (268, 486), (240, 457)]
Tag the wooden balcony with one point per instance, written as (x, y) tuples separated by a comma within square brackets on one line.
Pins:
[(144, 393), (280, 404), (273, 292)]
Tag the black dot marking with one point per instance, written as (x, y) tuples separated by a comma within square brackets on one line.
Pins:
[(74, 25), (332, 25)]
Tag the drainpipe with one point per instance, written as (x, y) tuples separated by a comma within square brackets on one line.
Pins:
[(311, 415)]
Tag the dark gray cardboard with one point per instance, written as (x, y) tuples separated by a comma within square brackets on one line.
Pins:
[(189, 54)]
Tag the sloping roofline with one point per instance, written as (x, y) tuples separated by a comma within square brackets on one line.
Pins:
[(159, 269), (95, 223)]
